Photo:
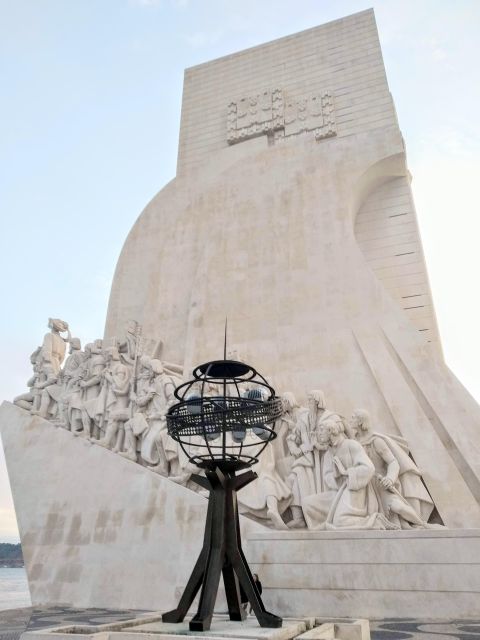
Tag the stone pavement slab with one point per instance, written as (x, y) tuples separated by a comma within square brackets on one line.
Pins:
[(410, 629), (14, 622)]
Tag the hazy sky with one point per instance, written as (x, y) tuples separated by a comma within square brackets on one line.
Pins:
[(89, 115)]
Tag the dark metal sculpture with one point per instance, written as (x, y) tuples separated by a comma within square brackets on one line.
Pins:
[(224, 419)]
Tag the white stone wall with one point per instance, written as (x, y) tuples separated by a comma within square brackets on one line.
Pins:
[(265, 232), (343, 56), (387, 232), (100, 531), (408, 574), (97, 530)]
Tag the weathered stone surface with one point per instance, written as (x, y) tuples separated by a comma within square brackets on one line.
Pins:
[(308, 243), (97, 530), (371, 574), (222, 629)]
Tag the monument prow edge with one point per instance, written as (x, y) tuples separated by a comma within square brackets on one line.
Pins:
[(96, 529)]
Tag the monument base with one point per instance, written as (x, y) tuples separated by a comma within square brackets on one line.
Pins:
[(431, 574), (151, 627), (100, 531)]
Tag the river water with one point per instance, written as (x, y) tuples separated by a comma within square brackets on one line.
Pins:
[(14, 591)]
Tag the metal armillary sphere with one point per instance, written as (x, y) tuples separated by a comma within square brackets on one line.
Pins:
[(223, 421), (225, 416)]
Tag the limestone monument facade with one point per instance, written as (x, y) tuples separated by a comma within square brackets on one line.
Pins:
[(292, 215)]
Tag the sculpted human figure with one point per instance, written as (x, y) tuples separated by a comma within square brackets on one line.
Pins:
[(118, 378), (91, 385), (130, 347), (70, 400), (54, 346), (52, 355), (349, 468), (310, 424), (398, 484), (282, 429), (301, 478), (269, 496), (137, 425), (160, 452), (31, 400)]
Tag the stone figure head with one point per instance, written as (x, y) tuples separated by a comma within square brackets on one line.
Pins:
[(316, 400), (112, 354), (75, 344), (360, 423), (57, 325), (333, 430), (289, 401), (145, 365), (157, 367), (131, 326)]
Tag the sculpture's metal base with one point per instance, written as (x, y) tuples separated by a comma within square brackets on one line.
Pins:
[(221, 554)]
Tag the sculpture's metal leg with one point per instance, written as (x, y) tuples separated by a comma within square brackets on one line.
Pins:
[(196, 578), (235, 555), (232, 591), (216, 557), (221, 553), (264, 617), (190, 591)]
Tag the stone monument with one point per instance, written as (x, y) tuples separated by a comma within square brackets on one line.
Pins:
[(292, 215)]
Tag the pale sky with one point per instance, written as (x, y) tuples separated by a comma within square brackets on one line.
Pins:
[(89, 115)]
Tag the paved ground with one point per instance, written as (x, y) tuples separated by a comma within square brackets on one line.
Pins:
[(15, 621), (405, 629)]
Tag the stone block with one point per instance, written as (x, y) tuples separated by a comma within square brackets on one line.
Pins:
[(324, 631)]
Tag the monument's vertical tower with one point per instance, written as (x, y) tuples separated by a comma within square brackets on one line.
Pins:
[(292, 215), (321, 87)]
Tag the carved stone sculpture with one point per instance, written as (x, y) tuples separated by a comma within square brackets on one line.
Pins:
[(116, 395), (54, 346), (270, 496), (31, 400), (70, 400), (311, 420), (91, 385), (301, 478), (52, 355), (282, 429), (158, 450), (137, 425), (130, 347), (350, 470), (397, 483)]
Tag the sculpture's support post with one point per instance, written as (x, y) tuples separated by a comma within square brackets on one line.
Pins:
[(221, 554)]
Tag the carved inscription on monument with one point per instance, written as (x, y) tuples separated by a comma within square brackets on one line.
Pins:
[(255, 115), (280, 116)]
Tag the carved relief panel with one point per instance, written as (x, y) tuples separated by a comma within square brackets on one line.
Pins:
[(280, 116), (253, 116)]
